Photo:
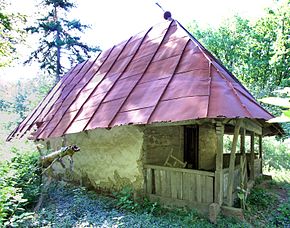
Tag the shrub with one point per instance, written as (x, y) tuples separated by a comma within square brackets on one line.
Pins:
[(276, 154), (126, 201), (19, 188), (260, 199)]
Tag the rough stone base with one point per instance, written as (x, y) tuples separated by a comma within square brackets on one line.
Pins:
[(233, 212), (214, 210)]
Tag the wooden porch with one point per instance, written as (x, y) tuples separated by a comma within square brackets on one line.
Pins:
[(199, 188), (179, 187)]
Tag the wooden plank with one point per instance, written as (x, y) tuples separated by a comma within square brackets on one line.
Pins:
[(193, 188), (149, 181), (164, 185), (232, 163), (218, 184), (181, 186), (191, 171), (168, 183), (203, 188), (252, 157), (186, 186), (157, 182), (176, 185), (209, 185), (199, 188)]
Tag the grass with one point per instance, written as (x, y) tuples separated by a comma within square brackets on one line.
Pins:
[(69, 206)]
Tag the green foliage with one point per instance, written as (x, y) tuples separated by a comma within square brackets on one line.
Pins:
[(268, 204), (282, 216), (260, 199), (21, 97), (257, 54), (10, 33), (276, 154), (126, 201), (60, 39), (19, 188)]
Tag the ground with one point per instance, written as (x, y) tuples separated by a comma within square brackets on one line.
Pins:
[(69, 206)]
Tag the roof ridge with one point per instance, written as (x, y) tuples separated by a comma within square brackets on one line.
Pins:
[(206, 53), (234, 90)]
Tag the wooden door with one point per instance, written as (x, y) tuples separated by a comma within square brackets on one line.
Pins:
[(191, 146)]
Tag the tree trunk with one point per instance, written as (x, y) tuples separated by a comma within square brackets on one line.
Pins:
[(58, 49), (49, 159)]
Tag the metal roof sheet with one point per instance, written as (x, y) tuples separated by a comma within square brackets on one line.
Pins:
[(162, 74)]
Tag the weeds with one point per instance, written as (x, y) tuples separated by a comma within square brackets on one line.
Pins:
[(19, 188)]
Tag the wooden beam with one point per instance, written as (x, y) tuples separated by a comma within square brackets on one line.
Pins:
[(252, 157), (232, 163), (193, 171), (261, 152), (249, 125), (252, 126), (218, 192)]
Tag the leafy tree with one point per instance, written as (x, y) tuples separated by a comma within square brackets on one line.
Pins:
[(10, 33), (259, 54), (60, 42), (21, 97)]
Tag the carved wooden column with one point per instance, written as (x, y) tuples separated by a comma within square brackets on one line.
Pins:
[(218, 197)]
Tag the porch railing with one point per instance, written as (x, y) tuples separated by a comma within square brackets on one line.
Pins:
[(177, 183)]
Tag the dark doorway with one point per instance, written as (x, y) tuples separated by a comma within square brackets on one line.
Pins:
[(191, 146)]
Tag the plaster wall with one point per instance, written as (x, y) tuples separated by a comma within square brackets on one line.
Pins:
[(207, 147), (108, 159), (160, 141)]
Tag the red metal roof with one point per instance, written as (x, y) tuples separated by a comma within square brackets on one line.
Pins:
[(161, 75)]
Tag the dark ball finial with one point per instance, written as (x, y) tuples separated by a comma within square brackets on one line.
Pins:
[(167, 15)]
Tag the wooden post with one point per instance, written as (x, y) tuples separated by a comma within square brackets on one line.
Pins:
[(261, 152), (252, 157), (243, 161), (243, 134), (218, 196), (232, 163)]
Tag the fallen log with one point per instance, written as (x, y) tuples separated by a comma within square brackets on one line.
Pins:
[(48, 160)]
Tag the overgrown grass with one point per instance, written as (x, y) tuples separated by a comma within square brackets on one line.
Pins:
[(19, 188), (268, 204)]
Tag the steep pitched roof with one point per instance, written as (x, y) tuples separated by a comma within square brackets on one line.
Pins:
[(160, 75)]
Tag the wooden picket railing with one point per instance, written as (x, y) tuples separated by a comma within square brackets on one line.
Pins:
[(180, 184)]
